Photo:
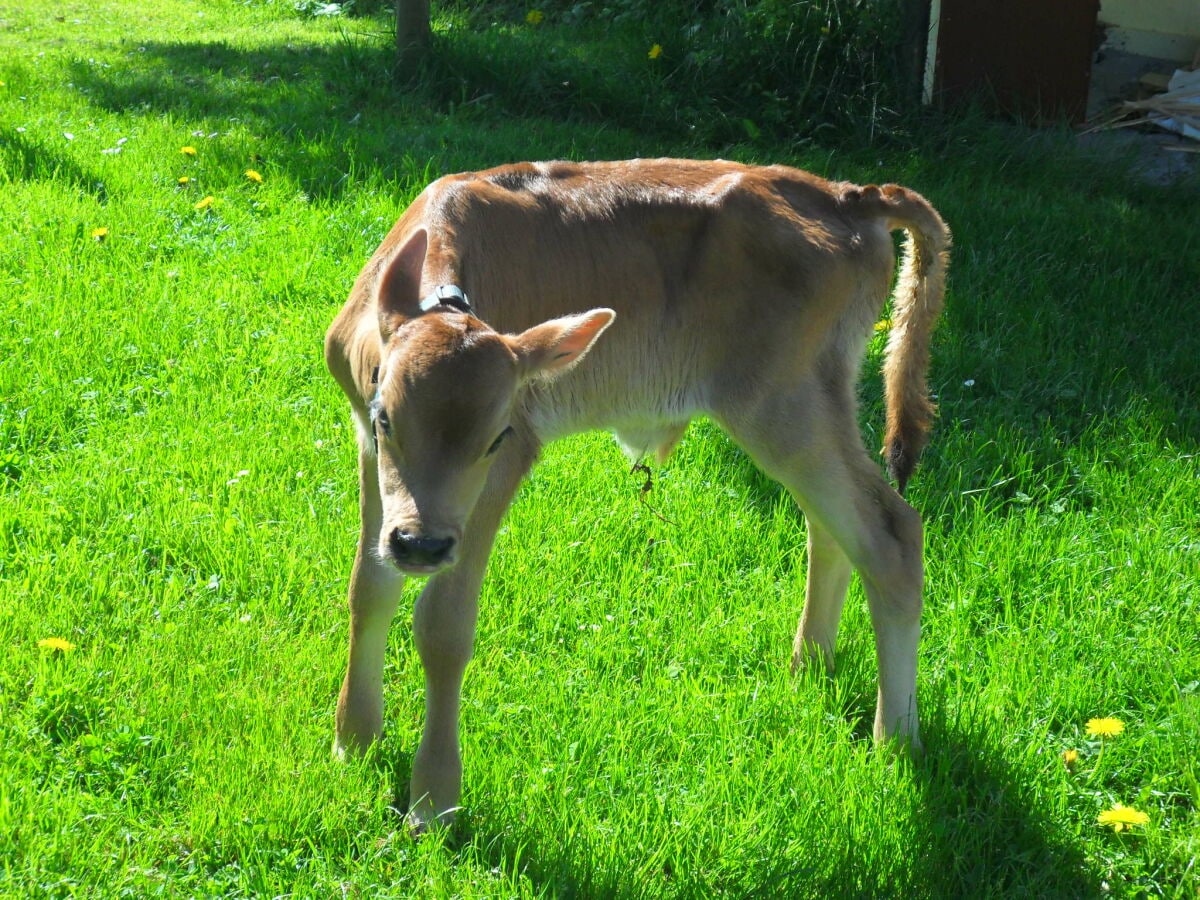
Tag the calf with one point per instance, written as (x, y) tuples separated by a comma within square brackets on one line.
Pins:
[(513, 306)]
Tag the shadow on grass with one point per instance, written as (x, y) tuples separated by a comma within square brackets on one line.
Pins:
[(982, 831), (325, 111), (27, 160), (974, 829), (316, 113)]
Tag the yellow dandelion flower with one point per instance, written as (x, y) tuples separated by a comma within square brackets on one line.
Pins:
[(254, 176), (56, 645), (184, 179), (1104, 728), (1122, 818), (99, 234), (1070, 758), (534, 17), (655, 51), (205, 203), (883, 325), (188, 151)]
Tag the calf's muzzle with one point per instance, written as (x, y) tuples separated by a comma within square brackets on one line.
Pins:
[(414, 551)]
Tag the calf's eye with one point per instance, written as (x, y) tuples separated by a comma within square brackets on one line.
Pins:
[(379, 418), (499, 440)]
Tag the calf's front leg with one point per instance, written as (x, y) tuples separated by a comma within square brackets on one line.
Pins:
[(444, 631), (374, 595), (373, 600)]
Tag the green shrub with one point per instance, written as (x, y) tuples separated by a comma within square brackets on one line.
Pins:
[(717, 71)]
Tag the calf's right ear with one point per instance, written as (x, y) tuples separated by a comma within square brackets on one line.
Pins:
[(554, 347), (400, 284)]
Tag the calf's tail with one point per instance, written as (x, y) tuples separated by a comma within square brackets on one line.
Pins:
[(916, 303)]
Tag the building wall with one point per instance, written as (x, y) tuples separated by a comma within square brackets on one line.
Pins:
[(1169, 29)]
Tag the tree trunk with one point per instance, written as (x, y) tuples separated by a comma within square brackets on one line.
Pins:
[(412, 35)]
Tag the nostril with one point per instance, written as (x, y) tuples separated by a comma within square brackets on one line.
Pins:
[(417, 550), (400, 541), (438, 548)]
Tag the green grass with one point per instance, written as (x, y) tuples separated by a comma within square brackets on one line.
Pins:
[(177, 500)]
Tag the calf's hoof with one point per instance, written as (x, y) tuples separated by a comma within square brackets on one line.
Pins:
[(422, 820), (809, 656)]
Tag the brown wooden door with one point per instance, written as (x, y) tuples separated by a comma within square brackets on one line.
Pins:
[(1028, 58)]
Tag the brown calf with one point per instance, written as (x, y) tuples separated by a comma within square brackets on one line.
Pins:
[(628, 296)]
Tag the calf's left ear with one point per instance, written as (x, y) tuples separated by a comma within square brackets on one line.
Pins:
[(553, 347)]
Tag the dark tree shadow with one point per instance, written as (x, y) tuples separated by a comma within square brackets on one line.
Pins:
[(293, 100), (29, 159), (475, 101)]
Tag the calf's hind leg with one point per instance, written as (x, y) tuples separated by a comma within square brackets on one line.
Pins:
[(827, 580), (814, 450)]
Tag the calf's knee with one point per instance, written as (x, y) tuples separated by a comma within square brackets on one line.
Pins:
[(897, 568)]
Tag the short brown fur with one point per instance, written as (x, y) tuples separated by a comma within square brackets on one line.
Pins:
[(630, 296)]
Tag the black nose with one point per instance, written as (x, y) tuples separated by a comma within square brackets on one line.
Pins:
[(415, 550)]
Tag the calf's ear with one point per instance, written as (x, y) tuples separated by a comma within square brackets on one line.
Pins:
[(400, 284), (553, 347)]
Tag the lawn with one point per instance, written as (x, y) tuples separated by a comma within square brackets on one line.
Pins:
[(187, 191)]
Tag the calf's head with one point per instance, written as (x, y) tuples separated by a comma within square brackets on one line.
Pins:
[(448, 387)]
